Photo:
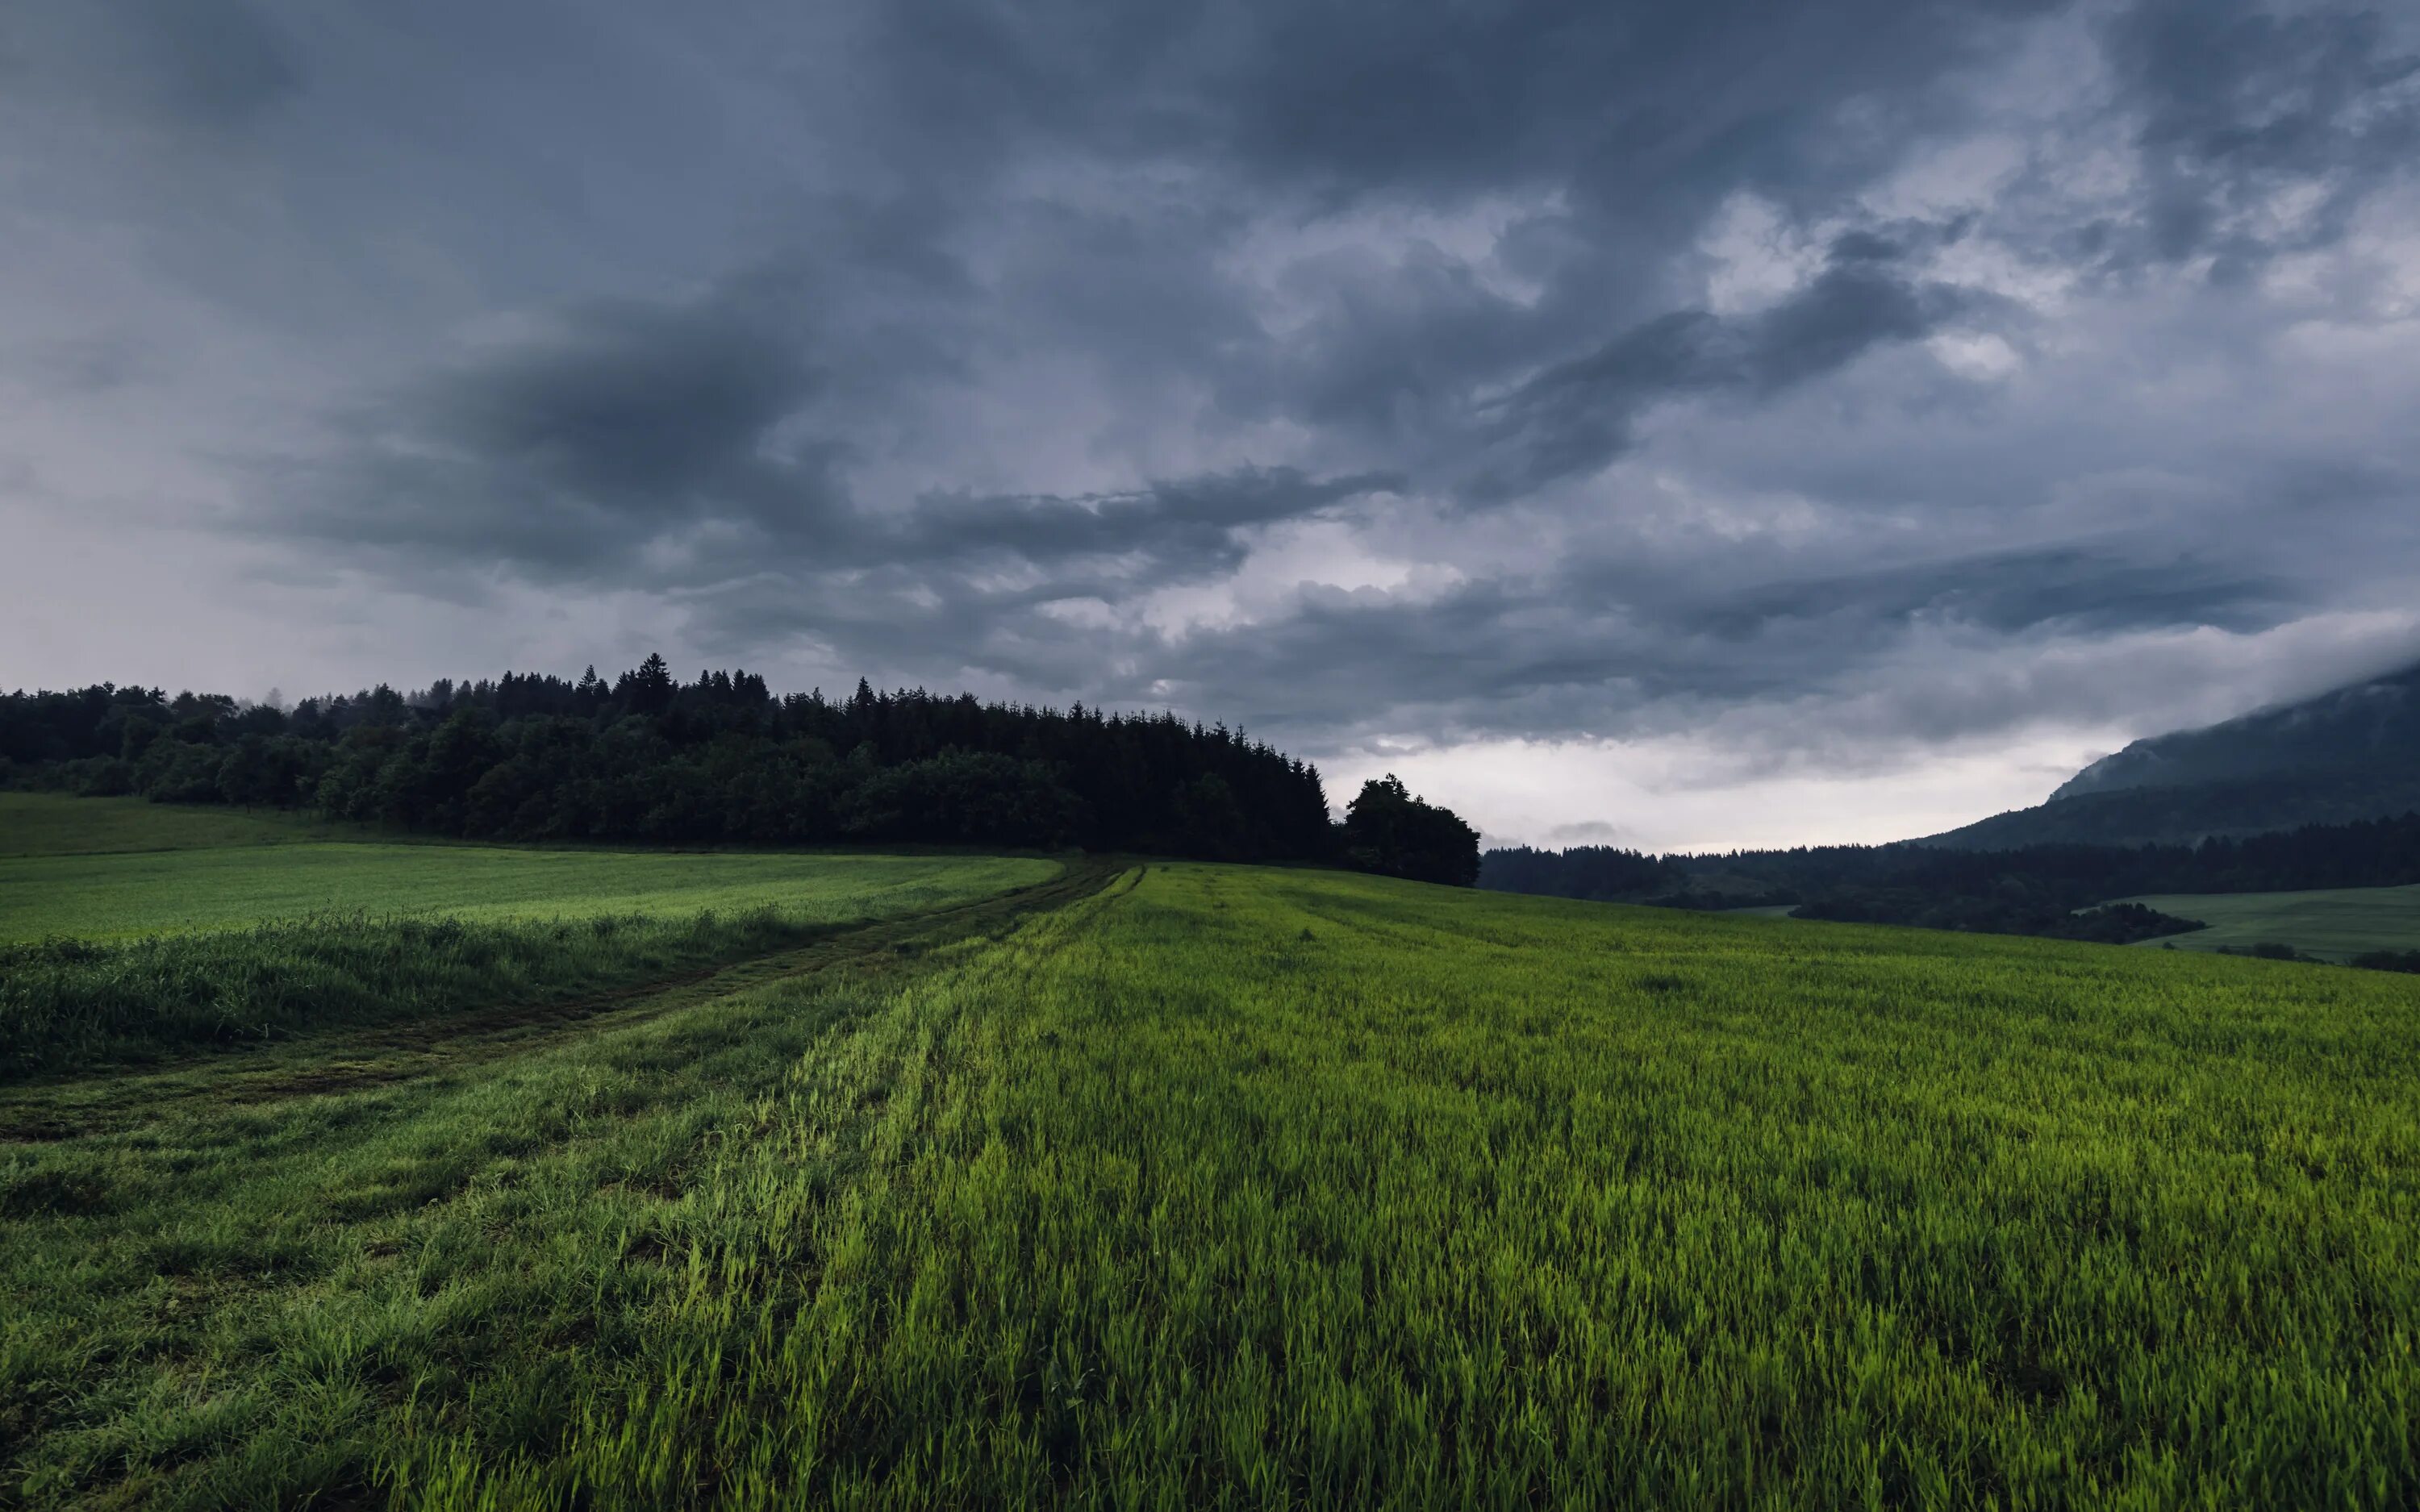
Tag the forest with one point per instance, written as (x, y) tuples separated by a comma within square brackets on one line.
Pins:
[(723, 759), (2035, 889)]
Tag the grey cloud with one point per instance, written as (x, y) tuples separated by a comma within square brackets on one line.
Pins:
[(1578, 416), (92, 365), (1344, 101), (942, 341), (1192, 523), (220, 62), (707, 447), (212, 65), (625, 400), (646, 406), (2017, 591), (1587, 832), (573, 448), (1585, 650), (2239, 102), (660, 442)]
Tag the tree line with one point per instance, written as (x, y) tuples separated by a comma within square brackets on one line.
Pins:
[(723, 759), (2033, 889)]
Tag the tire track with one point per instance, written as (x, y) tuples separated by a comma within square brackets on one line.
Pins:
[(353, 1059)]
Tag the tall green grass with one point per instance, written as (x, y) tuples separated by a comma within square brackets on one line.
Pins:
[(1277, 1190), (241, 1304), (1241, 1188)]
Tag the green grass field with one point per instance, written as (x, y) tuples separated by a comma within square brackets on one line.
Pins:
[(2336, 924), (97, 882), (116, 896), (1221, 1186), (53, 823)]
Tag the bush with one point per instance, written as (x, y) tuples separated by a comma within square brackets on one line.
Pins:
[(2266, 950), (2388, 961)]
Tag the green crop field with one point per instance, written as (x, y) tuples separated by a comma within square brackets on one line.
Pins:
[(2334, 924), (1220, 1186)]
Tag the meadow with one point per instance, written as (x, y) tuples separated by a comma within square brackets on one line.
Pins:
[(57, 823), (2333, 924), (1233, 1187), (240, 872)]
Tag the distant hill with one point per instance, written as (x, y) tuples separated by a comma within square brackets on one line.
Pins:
[(2351, 753)]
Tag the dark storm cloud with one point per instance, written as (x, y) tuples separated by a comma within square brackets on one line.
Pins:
[(629, 402), (569, 449), (1576, 417), (1427, 99), (2239, 103), (623, 440), (1634, 356), (211, 65)]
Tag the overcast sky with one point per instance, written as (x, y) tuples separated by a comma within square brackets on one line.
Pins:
[(1673, 424)]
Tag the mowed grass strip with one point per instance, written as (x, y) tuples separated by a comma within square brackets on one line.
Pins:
[(117, 896), (2334, 924), (1247, 1188)]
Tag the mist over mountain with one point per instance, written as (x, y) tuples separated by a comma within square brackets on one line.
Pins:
[(2350, 753), (2370, 726)]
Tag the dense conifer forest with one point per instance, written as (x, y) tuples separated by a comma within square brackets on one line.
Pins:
[(2036, 889), (723, 759)]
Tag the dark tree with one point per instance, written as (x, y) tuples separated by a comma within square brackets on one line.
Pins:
[(650, 690), (1389, 831)]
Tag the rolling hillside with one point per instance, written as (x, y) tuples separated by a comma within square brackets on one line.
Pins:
[(2327, 923)]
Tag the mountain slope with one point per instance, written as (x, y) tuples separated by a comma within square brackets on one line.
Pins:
[(2370, 727), (2350, 753)]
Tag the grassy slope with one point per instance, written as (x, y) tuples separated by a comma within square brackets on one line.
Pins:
[(1251, 1188), (53, 823), (2334, 924), (163, 953)]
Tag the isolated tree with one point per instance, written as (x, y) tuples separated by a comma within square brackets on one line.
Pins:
[(1389, 831)]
